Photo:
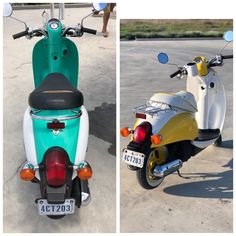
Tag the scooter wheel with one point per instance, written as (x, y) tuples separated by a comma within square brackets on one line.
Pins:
[(218, 142), (144, 175), (55, 217)]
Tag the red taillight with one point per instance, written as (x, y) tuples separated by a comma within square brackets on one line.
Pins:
[(141, 132), (56, 168)]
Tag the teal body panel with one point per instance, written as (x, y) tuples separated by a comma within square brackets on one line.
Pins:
[(55, 54), (67, 138)]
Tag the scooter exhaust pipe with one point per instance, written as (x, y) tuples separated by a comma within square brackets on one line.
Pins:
[(169, 168), (85, 193)]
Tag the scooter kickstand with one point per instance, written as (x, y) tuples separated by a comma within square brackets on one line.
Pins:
[(181, 176)]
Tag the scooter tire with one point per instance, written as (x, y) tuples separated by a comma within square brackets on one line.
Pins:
[(218, 142), (55, 217), (142, 174)]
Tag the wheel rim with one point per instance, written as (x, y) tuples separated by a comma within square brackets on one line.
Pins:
[(156, 157)]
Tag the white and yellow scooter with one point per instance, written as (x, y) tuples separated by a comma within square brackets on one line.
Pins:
[(170, 128)]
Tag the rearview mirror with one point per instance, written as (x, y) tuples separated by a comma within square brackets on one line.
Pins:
[(162, 58), (228, 36), (7, 9), (99, 6)]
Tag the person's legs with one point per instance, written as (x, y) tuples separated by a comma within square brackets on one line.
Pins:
[(106, 17)]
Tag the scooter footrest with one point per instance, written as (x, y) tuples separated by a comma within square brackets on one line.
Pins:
[(207, 134)]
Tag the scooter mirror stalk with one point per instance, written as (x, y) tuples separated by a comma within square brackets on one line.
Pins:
[(228, 36), (99, 6), (7, 9)]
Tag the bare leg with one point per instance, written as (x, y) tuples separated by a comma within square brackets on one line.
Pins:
[(106, 17)]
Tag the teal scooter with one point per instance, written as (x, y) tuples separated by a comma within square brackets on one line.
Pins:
[(56, 124)]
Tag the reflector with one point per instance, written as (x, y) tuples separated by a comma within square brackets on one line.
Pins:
[(140, 115)]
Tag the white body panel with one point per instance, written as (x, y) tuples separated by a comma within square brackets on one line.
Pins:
[(83, 137), (29, 138), (158, 121), (29, 141), (181, 100), (211, 101)]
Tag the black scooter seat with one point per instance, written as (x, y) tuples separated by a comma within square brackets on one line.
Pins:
[(55, 93)]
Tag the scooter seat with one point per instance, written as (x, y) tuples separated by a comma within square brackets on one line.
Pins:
[(55, 93)]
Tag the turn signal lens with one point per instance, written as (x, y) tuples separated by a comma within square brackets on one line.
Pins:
[(85, 173), (27, 174), (125, 132), (155, 139)]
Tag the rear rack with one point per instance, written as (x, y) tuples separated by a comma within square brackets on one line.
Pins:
[(57, 118), (152, 108)]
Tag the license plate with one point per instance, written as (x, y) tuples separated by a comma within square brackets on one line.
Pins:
[(133, 158), (68, 207)]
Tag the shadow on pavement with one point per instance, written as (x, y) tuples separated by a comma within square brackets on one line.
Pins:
[(221, 187), (102, 124)]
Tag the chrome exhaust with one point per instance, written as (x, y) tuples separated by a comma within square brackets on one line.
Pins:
[(169, 168), (85, 193)]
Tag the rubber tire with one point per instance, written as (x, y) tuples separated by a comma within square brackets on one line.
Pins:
[(55, 217), (141, 174), (218, 142)]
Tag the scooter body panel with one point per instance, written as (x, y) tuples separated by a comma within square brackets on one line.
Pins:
[(172, 126), (46, 138), (73, 138), (55, 54), (211, 101)]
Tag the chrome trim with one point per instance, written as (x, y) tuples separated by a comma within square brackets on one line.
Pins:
[(76, 116), (152, 108), (167, 169)]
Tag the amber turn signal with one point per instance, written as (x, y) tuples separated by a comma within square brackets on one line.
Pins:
[(85, 173), (125, 132), (155, 139), (27, 174)]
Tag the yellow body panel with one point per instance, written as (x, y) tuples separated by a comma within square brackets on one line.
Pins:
[(181, 127), (201, 65)]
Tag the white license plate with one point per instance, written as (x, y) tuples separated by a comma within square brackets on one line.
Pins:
[(133, 158), (68, 207)]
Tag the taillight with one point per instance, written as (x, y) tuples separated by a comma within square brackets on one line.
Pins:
[(56, 168), (141, 132)]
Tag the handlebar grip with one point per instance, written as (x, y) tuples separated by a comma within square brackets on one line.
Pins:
[(21, 34), (227, 56), (175, 73), (89, 31)]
